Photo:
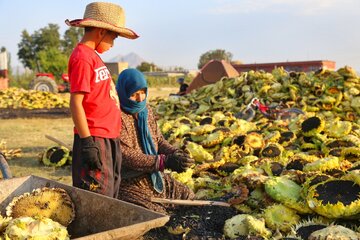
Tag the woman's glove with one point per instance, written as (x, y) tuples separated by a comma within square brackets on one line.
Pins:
[(178, 161), (90, 153)]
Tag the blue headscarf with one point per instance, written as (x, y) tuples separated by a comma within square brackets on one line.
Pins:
[(130, 81)]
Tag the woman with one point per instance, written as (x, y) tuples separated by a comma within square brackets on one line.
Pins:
[(145, 151)]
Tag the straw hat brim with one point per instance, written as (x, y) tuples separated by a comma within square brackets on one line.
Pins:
[(123, 32)]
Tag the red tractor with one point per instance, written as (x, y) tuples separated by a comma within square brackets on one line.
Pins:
[(46, 82)]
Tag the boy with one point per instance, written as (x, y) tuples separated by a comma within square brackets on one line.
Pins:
[(94, 102)]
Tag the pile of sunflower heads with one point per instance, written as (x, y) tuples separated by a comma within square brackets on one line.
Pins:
[(9, 153), (31, 99), (287, 178)]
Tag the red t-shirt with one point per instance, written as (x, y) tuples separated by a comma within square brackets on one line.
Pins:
[(89, 75)]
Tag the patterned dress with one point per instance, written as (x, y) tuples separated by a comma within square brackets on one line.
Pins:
[(136, 186)]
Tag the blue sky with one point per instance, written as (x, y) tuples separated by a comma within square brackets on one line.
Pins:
[(176, 33)]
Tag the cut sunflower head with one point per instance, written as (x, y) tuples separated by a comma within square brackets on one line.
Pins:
[(338, 129), (323, 164), (351, 154), (273, 136), (56, 156), (296, 164), (272, 168), (287, 138), (280, 217), (184, 120), (244, 225), (4, 222), (272, 150), (311, 181), (334, 232), (207, 120), (198, 153), (254, 140), (312, 126), (54, 203), (305, 228), (213, 139), (287, 192), (35, 228), (335, 198)]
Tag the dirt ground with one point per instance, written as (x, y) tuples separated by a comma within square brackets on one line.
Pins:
[(197, 223)]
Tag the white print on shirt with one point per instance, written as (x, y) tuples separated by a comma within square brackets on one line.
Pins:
[(102, 74), (114, 95)]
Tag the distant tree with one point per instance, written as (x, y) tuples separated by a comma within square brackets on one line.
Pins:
[(48, 65), (27, 51), (179, 69), (71, 37), (218, 54), (148, 67), (42, 50), (47, 37)]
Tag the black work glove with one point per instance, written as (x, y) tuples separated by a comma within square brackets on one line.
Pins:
[(90, 153), (178, 161)]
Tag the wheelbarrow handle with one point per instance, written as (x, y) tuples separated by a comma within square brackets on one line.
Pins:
[(190, 202), (61, 143), (4, 167)]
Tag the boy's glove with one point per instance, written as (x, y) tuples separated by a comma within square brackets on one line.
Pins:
[(178, 161), (90, 153)]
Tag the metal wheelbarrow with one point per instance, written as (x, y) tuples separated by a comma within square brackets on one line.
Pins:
[(97, 216)]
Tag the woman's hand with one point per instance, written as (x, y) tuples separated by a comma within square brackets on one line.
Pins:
[(178, 161)]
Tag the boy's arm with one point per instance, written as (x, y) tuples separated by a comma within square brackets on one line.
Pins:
[(78, 114)]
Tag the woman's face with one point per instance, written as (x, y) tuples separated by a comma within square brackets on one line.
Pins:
[(139, 95)]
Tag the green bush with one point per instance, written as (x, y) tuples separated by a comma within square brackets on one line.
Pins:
[(164, 81), (21, 80)]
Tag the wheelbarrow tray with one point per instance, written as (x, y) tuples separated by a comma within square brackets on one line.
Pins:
[(96, 216)]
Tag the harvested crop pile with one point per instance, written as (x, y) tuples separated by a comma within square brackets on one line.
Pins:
[(9, 153), (291, 170), (20, 103), (31, 99)]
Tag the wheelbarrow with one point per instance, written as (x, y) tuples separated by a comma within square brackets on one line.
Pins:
[(96, 216)]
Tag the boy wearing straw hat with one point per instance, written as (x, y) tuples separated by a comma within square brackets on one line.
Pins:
[(94, 102)]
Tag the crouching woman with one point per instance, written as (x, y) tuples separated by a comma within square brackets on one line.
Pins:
[(145, 152)]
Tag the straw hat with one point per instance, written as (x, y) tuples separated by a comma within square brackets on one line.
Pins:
[(104, 15)]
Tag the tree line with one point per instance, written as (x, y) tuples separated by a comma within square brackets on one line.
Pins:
[(45, 50)]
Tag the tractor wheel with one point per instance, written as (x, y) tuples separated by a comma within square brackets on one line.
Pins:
[(44, 84)]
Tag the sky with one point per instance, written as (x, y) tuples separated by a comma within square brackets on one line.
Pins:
[(176, 33)]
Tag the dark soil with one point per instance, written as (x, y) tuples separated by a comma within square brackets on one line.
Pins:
[(9, 113), (202, 222)]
